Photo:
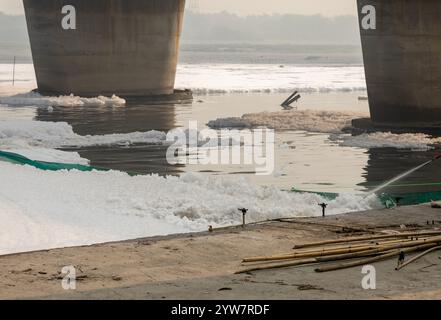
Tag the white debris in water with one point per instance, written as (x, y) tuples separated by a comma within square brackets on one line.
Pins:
[(304, 120), (36, 99), (41, 210), (413, 141)]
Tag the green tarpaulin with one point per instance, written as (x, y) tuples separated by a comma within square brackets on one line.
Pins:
[(390, 199), (50, 166)]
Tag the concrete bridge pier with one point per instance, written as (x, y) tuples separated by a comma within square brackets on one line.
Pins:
[(402, 58), (123, 47)]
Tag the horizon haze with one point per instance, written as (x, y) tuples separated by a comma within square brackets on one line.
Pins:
[(245, 7)]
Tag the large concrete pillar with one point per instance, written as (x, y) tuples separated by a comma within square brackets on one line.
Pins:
[(123, 47), (402, 58)]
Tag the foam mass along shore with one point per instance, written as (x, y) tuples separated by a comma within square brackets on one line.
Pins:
[(57, 209)]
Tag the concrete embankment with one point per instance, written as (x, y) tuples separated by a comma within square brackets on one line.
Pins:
[(401, 42)]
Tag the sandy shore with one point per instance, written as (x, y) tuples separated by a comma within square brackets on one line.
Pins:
[(202, 266)]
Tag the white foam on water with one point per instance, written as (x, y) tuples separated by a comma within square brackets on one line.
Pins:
[(19, 134), (226, 78), (413, 141), (41, 210), (37, 139), (331, 122), (267, 78), (36, 99), (302, 120)]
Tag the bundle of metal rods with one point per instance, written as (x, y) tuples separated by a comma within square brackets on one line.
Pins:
[(348, 252)]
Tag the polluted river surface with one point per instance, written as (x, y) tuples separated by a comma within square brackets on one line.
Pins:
[(54, 209)]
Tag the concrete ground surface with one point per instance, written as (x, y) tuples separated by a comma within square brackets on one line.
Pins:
[(202, 266)]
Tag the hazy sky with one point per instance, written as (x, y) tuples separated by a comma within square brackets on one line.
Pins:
[(245, 7)]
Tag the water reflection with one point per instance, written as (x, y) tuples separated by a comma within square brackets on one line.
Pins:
[(107, 120), (314, 163), (386, 163), (133, 117)]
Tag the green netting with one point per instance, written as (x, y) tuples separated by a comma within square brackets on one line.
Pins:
[(409, 199), (49, 166), (390, 199)]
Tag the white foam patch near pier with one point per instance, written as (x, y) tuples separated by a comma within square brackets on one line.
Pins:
[(304, 120), (413, 141), (331, 122)]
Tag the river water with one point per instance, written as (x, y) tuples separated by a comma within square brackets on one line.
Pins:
[(246, 83)]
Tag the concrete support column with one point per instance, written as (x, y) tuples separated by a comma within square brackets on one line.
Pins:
[(123, 47), (402, 57)]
